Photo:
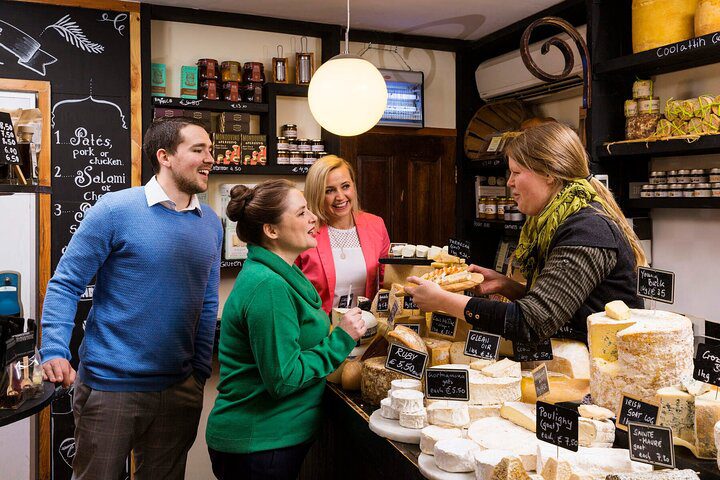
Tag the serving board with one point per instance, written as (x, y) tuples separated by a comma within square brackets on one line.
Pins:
[(431, 471), (392, 430)]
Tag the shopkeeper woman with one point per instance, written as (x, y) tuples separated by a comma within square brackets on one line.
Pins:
[(275, 346), (576, 249), (344, 265)]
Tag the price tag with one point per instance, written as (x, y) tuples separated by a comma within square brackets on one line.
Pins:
[(707, 365), (494, 144), (557, 425), (345, 301), (406, 361), (482, 345), (529, 352), (414, 327), (300, 170), (383, 301), (444, 325), (8, 145), (540, 378), (409, 304), (447, 384), (651, 444), (635, 410), (656, 284), (393, 311), (459, 248)]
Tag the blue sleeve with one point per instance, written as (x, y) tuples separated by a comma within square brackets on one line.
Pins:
[(205, 337), (88, 249)]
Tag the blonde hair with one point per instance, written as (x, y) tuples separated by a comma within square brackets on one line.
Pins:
[(555, 150), (315, 183)]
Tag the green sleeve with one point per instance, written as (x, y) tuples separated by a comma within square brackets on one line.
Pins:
[(274, 333)]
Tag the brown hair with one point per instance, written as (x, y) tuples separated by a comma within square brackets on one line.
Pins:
[(315, 184), (164, 133), (555, 150), (254, 207)]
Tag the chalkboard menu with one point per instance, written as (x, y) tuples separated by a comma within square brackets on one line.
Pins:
[(406, 361), (482, 345), (557, 425), (85, 55), (532, 352), (383, 301), (447, 384), (707, 364), (459, 248), (442, 324), (409, 304), (8, 145)]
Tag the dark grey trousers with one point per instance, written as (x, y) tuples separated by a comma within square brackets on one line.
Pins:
[(159, 427)]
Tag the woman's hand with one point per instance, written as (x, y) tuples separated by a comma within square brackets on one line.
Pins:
[(494, 281), (353, 324), (427, 295)]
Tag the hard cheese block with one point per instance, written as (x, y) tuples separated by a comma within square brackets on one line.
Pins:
[(376, 379), (503, 368), (562, 388), (457, 354), (707, 414), (660, 22), (521, 414), (677, 411), (439, 351)]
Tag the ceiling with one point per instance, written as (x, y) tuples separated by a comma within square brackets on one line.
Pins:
[(459, 19)]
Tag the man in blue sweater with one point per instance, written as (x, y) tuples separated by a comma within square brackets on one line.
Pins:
[(155, 253)]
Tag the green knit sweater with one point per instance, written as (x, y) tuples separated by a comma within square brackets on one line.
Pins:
[(274, 353)]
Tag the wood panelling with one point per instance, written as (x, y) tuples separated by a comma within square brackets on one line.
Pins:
[(114, 5)]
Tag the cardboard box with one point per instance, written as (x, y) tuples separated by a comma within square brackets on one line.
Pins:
[(158, 80), (189, 82), (253, 149), (226, 148), (204, 116), (167, 112), (234, 117), (233, 127)]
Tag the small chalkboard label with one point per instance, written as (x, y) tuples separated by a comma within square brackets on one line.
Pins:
[(540, 378), (557, 425), (444, 325), (651, 444), (345, 301), (532, 352), (441, 384), (459, 248), (393, 311), (635, 410), (406, 361), (656, 284), (482, 345), (707, 365), (8, 145), (383, 301), (409, 304), (414, 327)]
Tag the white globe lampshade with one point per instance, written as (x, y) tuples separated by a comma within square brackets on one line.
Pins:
[(347, 95)]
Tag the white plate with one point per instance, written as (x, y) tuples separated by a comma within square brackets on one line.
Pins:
[(392, 430), (431, 471)]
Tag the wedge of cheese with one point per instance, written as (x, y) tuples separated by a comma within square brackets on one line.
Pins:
[(457, 354), (677, 411), (596, 433), (439, 351), (487, 460), (500, 434), (617, 310), (562, 388), (521, 414), (555, 469), (503, 368), (595, 412), (510, 468)]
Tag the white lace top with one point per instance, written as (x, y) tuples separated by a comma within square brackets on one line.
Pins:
[(350, 269)]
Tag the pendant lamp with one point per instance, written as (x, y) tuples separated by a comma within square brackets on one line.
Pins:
[(347, 94)]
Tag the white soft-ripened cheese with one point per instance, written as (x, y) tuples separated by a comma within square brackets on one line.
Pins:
[(617, 310), (416, 419), (386, 410), (396, 250), (455, 455), (421, 251), (595, 412), (486, 390), (408, 251), (487, 460), (495, 433), (483, 411), (596, 433), (716, 431), (592, 462), (406, 401), (521, 414), (677, 411), (448, 413), (503, 368), (406, 384), (555, 469), (480, 363), (433, 434), (433, 252), (570, 357), (707, 414), (694, 387), (457, 354)]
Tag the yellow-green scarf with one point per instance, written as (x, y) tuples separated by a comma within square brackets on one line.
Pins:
[(538, 231)]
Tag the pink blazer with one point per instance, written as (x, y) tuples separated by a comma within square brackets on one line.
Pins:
[(319, 267)]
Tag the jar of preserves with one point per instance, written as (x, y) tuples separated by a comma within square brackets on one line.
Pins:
[(647, 191), (658, 177), (702, 190), (491, 204), (293, 145), (304, 145), (688, 190), (714, 176), (481, 208), (321, 154), (675, 190), (253, 72), (230, 71), (283, 156), (309, 158), (208, 69), (209, 89), (684, 176), (296, 158), (516, 216), (231, 91), (698, 175), (715, 189), (317, 145), (672, 176), (661, 191), (252, 92), (289, 131), (502, 205), (282, 143)]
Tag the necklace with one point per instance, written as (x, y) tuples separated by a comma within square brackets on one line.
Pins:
[(343, 238), (334, 236)]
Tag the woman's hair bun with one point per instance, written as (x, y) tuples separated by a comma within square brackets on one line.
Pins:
[(240, 197)]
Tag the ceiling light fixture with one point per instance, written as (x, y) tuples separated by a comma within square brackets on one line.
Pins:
[(347, 94)]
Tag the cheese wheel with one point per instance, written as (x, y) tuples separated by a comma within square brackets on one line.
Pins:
[(661, 22), (421, 251), (416, 420), (457, 354), (562, 388), (432, 434), (486, 390), (483, 411), (406, 401), (406, 384), (707, 17), (716, 431), (487, 460), (352, 375), (376, 380), (455, 455), (448, 413), (386, 410)]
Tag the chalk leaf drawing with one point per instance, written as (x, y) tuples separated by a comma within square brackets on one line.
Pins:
[(74, 35)]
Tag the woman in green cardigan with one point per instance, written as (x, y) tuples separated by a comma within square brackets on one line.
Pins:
[(276, 346)]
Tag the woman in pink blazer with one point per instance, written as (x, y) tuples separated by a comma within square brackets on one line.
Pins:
[(344, 265)]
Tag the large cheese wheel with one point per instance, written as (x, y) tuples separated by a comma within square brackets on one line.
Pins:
[(376, 379), (707, 17), (661, 22), (351, 375)]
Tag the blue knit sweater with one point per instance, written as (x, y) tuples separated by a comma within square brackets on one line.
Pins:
[(155, 301)]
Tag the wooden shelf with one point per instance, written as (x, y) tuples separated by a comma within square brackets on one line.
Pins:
[(231, 263), (260, 169), (287, 89), (495, 162), (9, 188), (508, 228), (691, 53), (705, 202), (663, 148), (214, 105)]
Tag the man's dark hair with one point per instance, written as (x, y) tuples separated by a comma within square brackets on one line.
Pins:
[(165, 133)]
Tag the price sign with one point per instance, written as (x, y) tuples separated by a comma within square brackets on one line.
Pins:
[(414, 327), (383, 301), (540, 378), (651, 444), (406, 361), (409, 304), (656, 285), (345, 301), (557, 425), (482, 345), (8, 145), (459, 248), (447, 384), (707, 364), (441, 324), (635, 410), (529, 352), (393, 312), (300, 170)]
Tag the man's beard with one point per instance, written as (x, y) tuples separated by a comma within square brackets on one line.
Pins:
[(187, 186)]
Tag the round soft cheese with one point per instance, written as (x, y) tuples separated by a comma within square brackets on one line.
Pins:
[(406, 401), (432, 434), (456, 455)]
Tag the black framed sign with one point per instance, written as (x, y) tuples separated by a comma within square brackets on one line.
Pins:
[(651, 444), (447, 384), (406, 361), (656, 284), (482, 345)]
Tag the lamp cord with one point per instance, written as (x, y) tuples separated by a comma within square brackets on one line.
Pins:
[(347, 29)]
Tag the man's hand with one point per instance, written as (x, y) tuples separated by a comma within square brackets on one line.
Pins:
[(58, 370)]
